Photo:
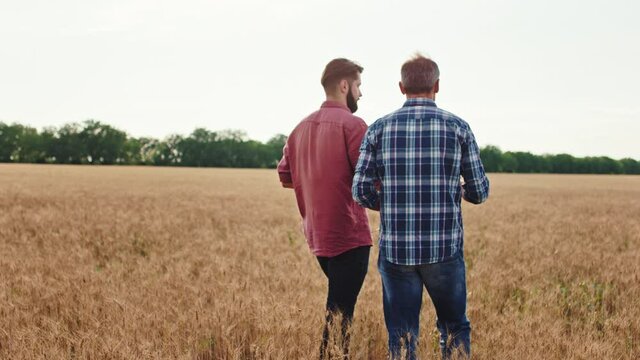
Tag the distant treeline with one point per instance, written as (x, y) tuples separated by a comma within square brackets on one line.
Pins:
[(92, 142), (495, 160)]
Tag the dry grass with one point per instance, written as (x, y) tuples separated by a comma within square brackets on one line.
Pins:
[(130, 262)]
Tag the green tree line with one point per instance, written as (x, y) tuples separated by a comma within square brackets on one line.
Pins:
[(93, 142), (495, 160)]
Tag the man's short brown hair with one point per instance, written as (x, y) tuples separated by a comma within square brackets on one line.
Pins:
[(419, 75), (338, 69)]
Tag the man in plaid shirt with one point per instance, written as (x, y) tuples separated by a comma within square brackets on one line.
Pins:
[(409, 167)]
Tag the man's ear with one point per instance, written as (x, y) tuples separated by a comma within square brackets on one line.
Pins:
[(436, 87), (344, 86), (402, 89)]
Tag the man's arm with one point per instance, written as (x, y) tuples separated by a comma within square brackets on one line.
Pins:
[(354, 133), (284, 172), (366, 176), (476, 184)]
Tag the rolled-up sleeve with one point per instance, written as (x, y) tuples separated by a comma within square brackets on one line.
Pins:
[(284, 172), (476, 183), (366, 175)]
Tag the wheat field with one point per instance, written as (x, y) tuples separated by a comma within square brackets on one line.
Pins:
[(180, 263)]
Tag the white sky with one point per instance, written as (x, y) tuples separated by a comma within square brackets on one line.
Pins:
[(542, 76)]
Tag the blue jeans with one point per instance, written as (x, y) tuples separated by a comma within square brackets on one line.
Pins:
[(402, 298)]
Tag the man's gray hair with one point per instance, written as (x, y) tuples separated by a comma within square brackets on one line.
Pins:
[(419, 74)]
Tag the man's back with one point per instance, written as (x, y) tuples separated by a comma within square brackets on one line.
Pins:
[(320, 158), (419, 153)]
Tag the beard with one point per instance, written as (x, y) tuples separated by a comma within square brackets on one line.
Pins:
[(352, 104)]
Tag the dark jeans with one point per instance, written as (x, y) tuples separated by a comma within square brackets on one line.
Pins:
[(346, 273), (402, 298)]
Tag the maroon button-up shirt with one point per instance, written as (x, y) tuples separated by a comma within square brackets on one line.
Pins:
[(319, 160)]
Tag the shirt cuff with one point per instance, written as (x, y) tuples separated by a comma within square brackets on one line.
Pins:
[(285, 178)]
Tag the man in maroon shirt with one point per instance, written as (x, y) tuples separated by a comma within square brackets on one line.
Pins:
[(318, 162)]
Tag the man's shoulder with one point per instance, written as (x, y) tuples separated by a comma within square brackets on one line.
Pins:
[(380, 122), (311, 117), (333, 117), (449, 115), (337, 116), (405, 113), (354, 122), (452, 118)]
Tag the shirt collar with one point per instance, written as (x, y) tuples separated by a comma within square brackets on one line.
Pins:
[(419, 102), (334, 104)]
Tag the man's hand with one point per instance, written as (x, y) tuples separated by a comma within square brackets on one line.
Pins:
[(463, 191), (464, 195), (287, 185)]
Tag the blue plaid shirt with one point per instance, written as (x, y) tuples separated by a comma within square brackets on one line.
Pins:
[(410, 166)]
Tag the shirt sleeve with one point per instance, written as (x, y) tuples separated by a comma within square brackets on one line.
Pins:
[(353, 138), (366, 175), (476, 183), (284, 172)]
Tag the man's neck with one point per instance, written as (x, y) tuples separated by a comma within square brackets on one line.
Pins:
[(431, 96), (341, 100)]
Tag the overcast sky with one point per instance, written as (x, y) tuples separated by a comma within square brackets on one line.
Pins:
[(542, 76)]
